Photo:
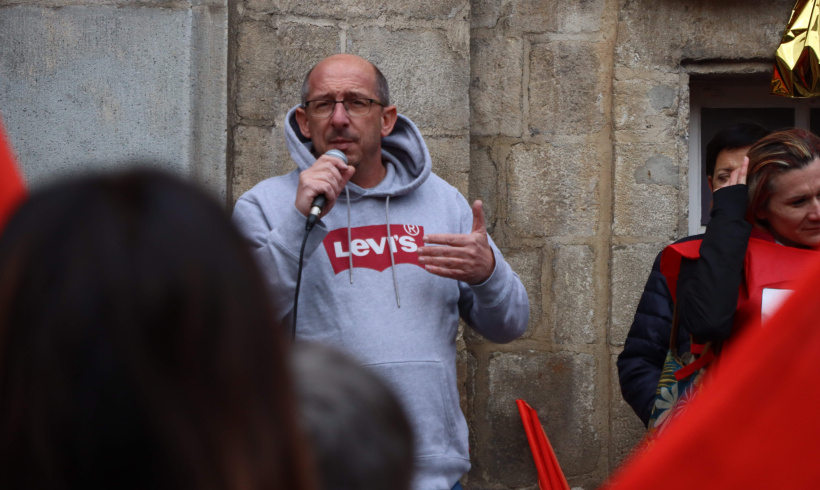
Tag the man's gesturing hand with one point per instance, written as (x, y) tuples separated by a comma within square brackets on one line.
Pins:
[(467, 258), (327, 176)]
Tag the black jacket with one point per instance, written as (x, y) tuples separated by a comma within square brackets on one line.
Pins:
[(707, 292)]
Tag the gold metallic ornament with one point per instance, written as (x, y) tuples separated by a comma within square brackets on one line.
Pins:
[(797, 61)]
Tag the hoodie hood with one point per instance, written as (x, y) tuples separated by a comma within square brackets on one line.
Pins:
[(403, 152)]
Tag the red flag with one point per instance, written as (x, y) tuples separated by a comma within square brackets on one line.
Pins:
[(550, 476), (12, 188), (753, 423)]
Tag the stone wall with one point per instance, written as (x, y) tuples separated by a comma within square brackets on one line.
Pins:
[(569, 119), (99, 84)]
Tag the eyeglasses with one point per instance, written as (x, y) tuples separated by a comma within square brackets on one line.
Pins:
[(354, 107)]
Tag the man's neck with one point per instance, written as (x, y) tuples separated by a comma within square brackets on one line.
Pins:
[(370, 175)]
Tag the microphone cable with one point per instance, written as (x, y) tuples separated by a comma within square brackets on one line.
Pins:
[(315, 211), (308, 227)]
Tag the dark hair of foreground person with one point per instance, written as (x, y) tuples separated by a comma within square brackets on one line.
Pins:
[(137, 348)]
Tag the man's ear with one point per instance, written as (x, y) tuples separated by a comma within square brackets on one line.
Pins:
[(389, 116), (301, 120)]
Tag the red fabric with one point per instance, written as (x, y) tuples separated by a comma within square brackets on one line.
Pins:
[(12, 188), (766, 265), (550, 476), (753, 423)]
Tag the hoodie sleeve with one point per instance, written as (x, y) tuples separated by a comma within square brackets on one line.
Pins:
[(276, 246), (498, 308)]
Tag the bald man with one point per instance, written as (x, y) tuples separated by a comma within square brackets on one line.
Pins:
[(396, 258)]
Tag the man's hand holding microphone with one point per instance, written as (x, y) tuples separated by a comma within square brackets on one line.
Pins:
[(321, 184)]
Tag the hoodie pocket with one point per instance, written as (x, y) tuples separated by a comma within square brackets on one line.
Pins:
[(421, 387)]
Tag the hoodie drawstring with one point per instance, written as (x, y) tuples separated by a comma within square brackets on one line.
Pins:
[(390, 247), (350, 250)]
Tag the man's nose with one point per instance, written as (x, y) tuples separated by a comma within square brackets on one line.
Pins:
[(339, 116)]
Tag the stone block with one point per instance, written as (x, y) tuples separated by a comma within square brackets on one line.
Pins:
[(495, 87), (573, 293), (647, 190), (625, 428), (98, 88), (259, 153), (661, 34), (553, 189), (484, 184), (566, 88), (561, 388), (335, 10), (646, 107), (540, 16), (363, 9), (272, 62), (630, 269), (451, 161), (528, 264), (428, 72)]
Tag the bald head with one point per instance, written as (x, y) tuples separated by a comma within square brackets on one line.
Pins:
[(349, 60)]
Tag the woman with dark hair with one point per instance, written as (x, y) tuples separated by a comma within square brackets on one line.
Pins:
[(137, 348)]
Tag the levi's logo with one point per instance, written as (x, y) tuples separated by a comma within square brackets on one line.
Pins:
[(369, 246)]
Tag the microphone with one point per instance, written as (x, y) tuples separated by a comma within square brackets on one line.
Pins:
[(320, 200)]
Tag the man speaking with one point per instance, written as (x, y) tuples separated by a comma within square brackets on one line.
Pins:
[(397, 256)]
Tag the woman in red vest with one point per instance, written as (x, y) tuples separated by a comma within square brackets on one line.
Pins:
[(751, 254)]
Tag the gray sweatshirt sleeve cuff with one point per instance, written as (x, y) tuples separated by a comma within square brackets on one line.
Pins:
[(288, 237), (493, 291)]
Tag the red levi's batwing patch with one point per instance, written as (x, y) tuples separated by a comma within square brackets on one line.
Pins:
[(369, 246)]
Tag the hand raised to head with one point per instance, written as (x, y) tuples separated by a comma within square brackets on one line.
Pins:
[(738, 175)]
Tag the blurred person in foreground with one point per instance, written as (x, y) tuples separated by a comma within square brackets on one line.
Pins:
[(360, 437), (137, 346), (641, 361)]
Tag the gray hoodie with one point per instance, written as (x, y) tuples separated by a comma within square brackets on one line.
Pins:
[(386, 310)]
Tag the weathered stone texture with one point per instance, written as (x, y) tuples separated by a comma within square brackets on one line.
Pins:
[(625, 429), (97, 88), (434, 94), (561, 387), (495, 87), (661, 34), (272, 62), (451, 160), (646, 107), (566, 88), (528, 264), (573, 291), (646, 190), (540, 16), (259, 153), (484, 183), (362, 9), (630, 268), (553, 190)]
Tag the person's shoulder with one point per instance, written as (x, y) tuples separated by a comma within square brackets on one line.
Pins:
[(272, 188), (440, 187), (690, 238)]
